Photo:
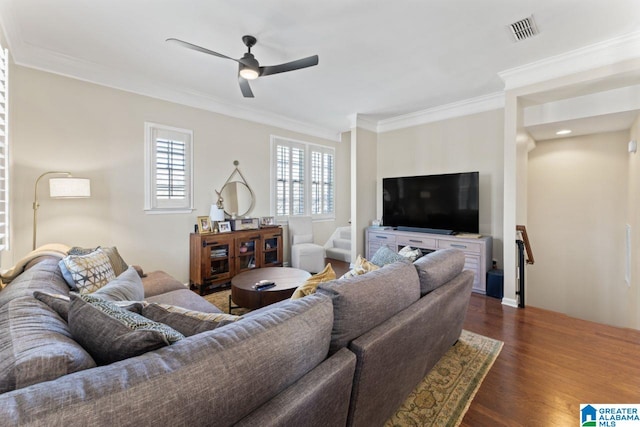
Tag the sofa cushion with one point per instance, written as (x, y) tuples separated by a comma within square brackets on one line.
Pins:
[(311, 284), (125, 287), (362, 302), (437, 268), (361, 266), (186, 299), (384, 256), (36, 345), (187, 322), (111, 333), (87, 273), (44, 276)]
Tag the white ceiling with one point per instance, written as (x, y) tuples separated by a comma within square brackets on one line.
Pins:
[(379, 59)]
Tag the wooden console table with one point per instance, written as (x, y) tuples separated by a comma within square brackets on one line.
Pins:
[(216, 258)]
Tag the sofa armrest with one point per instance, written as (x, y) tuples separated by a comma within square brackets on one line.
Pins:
[(320, 398)]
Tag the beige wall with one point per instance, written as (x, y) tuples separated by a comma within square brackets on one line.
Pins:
[(97, 132), (633, 219), (363, 183), (463, 144), (577, 210)]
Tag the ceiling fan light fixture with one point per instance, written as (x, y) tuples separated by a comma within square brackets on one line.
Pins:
[(249, 73)]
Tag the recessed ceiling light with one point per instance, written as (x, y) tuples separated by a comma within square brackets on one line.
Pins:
[(563, 132)]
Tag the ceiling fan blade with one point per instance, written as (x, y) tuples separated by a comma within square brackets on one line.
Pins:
[(199, 48), (289, 66), (245, 88)]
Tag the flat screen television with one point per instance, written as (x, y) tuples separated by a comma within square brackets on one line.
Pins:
[(446, 203)]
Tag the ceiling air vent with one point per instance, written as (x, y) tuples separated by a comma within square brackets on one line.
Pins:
[(523, 29)]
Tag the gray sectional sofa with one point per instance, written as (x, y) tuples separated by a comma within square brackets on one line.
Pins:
[(348, 355)]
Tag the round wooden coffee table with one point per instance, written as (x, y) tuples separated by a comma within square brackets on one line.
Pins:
[(286, 279)]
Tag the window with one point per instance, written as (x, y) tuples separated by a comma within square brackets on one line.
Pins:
[(302, 179), (169, 183), (4, 149)]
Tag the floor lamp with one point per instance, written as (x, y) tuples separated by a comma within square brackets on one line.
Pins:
[(66, 187)]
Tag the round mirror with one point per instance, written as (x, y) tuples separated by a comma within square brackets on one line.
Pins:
[(237, 198)]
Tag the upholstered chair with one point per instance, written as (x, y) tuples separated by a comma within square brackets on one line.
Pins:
[(305, 254)]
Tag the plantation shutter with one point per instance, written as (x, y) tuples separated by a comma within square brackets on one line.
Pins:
[(170, 183)]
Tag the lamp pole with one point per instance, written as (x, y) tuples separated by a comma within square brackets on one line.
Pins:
[(36, 205)]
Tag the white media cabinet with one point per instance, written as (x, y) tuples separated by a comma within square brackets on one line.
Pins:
[(477, 251)]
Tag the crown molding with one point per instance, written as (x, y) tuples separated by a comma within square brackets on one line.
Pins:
[(494, 101), (359, 121), (34, 57), (589, 57)]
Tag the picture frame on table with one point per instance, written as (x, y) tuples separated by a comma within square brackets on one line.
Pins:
[(204, 225), (267, 221), (224, 227)]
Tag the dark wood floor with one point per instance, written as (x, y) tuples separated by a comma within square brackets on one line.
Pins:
[(550, 363)]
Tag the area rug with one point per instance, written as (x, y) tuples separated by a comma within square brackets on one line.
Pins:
[(443, 396)]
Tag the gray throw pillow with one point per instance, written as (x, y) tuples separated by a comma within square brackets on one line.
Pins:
[(384, 256), (36, 345), (187, 322), (57, 302), (110, 333), (126, 287)]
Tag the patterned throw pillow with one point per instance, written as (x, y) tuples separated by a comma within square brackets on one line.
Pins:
[(410, 253), (309, 287), (384, 256), (187, 322), (111, 333), (361, 266), (118, 264), (87, 273)]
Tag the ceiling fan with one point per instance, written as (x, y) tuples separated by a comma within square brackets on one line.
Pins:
[(249, 68)]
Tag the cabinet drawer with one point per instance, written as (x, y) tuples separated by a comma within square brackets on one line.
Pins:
[(417, 242), (463, 246)]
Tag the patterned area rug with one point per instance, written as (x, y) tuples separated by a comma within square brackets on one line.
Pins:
[(443, 396)]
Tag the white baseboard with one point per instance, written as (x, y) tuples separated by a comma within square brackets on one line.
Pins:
[(510, 302)]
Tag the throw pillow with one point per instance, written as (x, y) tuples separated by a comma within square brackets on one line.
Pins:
[(361, 266), (36, 345), (110, 333), (89, 272), (309, 287), (187, 322), (410, 253), (118, 264), (57, 302), (384, 256), (125, 287)]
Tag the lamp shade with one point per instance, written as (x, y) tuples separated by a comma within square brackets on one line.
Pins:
[(69, 187), (216, 214)]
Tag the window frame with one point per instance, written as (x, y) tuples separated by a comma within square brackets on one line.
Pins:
[(154, 204), (308, 150)]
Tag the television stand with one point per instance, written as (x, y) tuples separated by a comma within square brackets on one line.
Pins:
[(425, 230), (478, 251)]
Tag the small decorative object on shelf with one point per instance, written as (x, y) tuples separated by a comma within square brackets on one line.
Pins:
[(204, 225), (224, 227), (267, 221)]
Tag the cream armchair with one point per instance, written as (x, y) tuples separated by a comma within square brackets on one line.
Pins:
[(305, 254)]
